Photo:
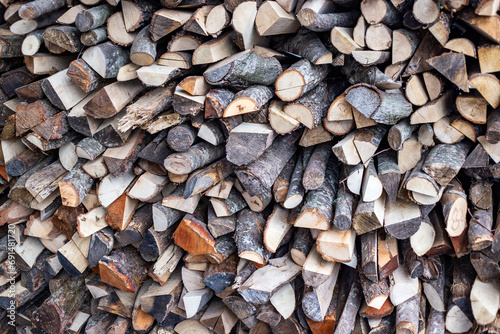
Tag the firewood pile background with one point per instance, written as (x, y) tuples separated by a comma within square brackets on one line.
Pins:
[(231, 167)]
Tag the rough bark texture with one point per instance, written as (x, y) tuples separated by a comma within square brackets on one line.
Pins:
[(248, 236), (382, 107), (261, 173), (309, 74), (243, 70)]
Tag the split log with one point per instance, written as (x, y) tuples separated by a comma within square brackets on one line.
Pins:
[(403, 286), (195, 157), (95, 57), (389, 174), (251, 99), (261, 174), (214, 50), (486, 84), (84, 76), (378, 37), (316, 303), (256, 292), (484, 301), (36, 9), (192, 235), (345, 150), (61, 91), (277, 228), (92, 18), (317, 211), (369, 216), (472, 108), (124, 269), (272, 19), (115, 96), (308, 76), (405, 42), (380, 12), (248, 236), (61, 308), (382, 106), (319, 22), (454, 211), (336, 245), (315, 269), (353, 302), (136, 14)]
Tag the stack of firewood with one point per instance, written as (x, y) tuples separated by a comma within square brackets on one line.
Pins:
[(231, 166)]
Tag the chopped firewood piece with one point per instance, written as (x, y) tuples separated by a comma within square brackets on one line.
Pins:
[(488, 86), (123, 269), (454, 204), (462, 45), (193, 236), (60, 309)]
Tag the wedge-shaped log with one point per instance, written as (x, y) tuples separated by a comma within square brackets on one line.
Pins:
[(257, 288), (123, 269)]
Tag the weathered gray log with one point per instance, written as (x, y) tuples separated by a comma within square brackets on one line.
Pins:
[(23, 162), (301, 246), (352, 304), (195, 157), (101, 244), (247, 142), (74, 187), (382, 107), (444, 161), (317, 211), (261, 174), (399, 133), (299, 79), (93, 17), (308, 45), (248, 236), (243, 70), (61, 307), (296, 190), (282, 183), (314, 174), (229, 206), (326, 21), (369, 254), (479, 233), (207, 177), (344, 207), (143, 50), (181, 137), (94, 37), (357, 73), (34, 9), (407, 314), (310, 108)]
